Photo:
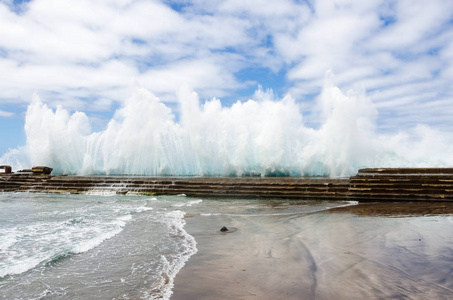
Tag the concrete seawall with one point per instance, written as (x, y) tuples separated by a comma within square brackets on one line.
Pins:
[(368, 185), (402, 184)]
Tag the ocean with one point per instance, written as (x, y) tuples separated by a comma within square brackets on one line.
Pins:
[(106, 246), (91, 246)]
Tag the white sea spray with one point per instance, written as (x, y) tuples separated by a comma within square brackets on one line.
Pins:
[(262, 136)]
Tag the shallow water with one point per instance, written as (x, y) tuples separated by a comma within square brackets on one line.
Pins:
[(106, 246), (90, 247), (132, 247), (324, 254)]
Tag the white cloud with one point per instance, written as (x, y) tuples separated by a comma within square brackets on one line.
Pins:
[(6, 113), (88, 54), (415, 20)]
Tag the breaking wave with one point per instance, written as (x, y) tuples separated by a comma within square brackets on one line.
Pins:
[(260, 137)]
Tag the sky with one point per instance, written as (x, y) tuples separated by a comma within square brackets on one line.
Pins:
[(89, 55)]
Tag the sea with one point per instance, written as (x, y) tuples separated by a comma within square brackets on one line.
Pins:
[(91, 246), (108, 246)]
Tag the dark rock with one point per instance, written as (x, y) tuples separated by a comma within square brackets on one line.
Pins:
[(5, 169), (41, 170), (223, 229)]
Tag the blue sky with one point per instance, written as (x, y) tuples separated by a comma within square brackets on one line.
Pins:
[(88, 55)]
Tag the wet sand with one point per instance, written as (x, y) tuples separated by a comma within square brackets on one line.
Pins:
[(398, 209), (375, 251)]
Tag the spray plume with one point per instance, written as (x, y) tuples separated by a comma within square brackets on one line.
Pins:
[(263, 136)]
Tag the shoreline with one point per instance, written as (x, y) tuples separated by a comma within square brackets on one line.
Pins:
[(347, 252)]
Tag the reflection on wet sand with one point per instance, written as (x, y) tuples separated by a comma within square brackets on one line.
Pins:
[(398, 209), (354, 252)]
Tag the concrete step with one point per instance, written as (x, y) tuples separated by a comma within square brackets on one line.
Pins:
[(368, 185)]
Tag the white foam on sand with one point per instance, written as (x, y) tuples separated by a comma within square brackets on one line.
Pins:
[(172, 264)]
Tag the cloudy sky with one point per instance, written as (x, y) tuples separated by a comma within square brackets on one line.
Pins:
[(88, 55)]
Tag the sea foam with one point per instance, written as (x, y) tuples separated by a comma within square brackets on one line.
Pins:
[(50, 235)]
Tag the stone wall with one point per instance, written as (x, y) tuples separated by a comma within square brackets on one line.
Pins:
[(368, 185), (402, 184)]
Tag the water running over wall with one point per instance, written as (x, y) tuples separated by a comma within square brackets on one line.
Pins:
[(263, 136)]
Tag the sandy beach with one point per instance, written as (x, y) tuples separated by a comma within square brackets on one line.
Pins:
[(375, 251)]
